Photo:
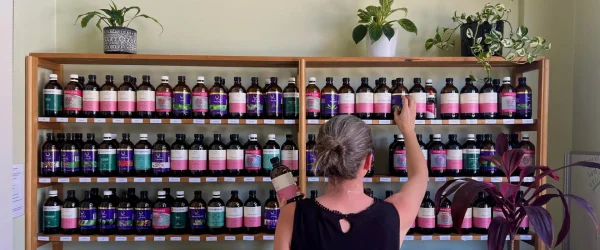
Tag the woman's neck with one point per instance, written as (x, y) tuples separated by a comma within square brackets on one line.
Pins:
[(345, 189)]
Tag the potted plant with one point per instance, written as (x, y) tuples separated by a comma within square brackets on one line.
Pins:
[(482, 36), (514, 208), (118, 37), (373, 20)]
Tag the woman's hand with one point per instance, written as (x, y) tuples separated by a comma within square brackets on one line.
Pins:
[(405, 120), (283, 202)]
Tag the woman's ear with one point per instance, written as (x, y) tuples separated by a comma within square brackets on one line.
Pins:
[(368, 161)]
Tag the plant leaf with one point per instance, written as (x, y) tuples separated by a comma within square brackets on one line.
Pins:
[(408, 25), (86, 19), (511, 160), (153, 19), (463, 199), (403, 9), (364, 16), (375, 32), (359, 33), (501, 143), (510, 56), (388, 31), (98, 24), (478, 41), (541, 220), (495, 159), (429, 43), (448, 191), (507, 42), (522, 31), (498, 230), (372, 10), (469, 33), (521, 52)]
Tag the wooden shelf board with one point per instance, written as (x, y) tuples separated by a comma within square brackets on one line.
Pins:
[(239, 237), (343, 62), (82, 179), (443, 122), (170, 60), (394, 179), (45, 120)]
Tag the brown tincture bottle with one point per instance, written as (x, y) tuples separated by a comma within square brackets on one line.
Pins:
[(346, 95), (160, 211), (437, 157), (449, 101), (397, 92), (255, 100), (271, 212), (91, 97), (217, 99), (507, 100), (70, 155), (431, 100), (179, 214), (311, 155), (397, 157), (488, 101), (200, 99), (126, 98), (252, 213), (164, 97), (283, 181), (291, 100), (145, 98), (444, 223), (237, 99), (234, 213), (313, 99), (329, 100), (454, 156), (125, 156), (53, 97), (108, 98), (274, 100), (364, 100), (524, 100), (529, 156), (418, 94), (70, 213), (73, 97), (382, 101), (182, 99), (469, 101), (426, 216), (51, 213), (197, 214)]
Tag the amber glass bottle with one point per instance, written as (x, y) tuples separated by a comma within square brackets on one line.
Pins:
[(449, 101), (524, 100), (198, 156), (126, 98), (489, 148), (291, 100), (182, 99), (470, 156), (179, 214), (431, 101), (313, 99), (418, 94), (53, 97), (70, 155), (125, 156), (255, 100), (200, 99), (507, 103), (271, 212), (234, 213), (215, 220), (91, 97), (469, 101), (488, 101), (108, 98), (437, 157), (73, 97), (146, 98), (382, 99), (217, 99), (397, 92), (89, 156), (179, 156), (311, 155), (161, 214), (529, 156), (329, 100), (346, 95), (454, 156), (197, 214), (364, 99), (397, 157), (235, 156), (164, 98), (252, 214), (274, 100), (237, 99), (426, 216)]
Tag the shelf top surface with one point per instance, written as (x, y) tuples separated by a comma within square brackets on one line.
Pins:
[(265, 61)]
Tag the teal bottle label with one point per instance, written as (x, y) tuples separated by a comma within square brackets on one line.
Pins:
[(291, 103), (179, 217), (267, 155), (53, 100), (471, 159), (51, 216), (216, 217), (142, 160), (108, 159)]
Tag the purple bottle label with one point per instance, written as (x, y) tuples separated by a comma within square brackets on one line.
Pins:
[(217, 103), (125, 218), (311, 159), (182, 103), (254, 104), (50, 161), (87, 218), (396, 101), (330, 104), (125, 159), (143, 218), (524, 103), (488, 165), (271, 217), (89, 160), (161, 161), (70, 160), (197, 217), (274, 102), (107, 218)]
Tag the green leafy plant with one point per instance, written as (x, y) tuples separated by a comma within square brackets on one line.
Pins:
[(521, 47), (114, 17), (373, 20)]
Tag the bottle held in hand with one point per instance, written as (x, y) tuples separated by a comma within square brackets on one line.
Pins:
[(283, 181)]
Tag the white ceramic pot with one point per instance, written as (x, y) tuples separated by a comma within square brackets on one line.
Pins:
[(383, 47)]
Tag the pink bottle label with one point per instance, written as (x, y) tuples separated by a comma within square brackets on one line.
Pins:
[(68, 223), (444, 219), (179, 159), (252, 216), (197, 164), (450, 108), (217, 159), (426, 222), (179, 164), (454, 159), (108, 106), (234, 217), (252, 221), (163, 101), (313, 102), (421, 107), (197, 159), (346, 103), (289, 158), (288, 192), (430, 111), (438, 159), (91, 100), (73, 100), (364, 108), (488, 107), (481, 222), (237, 107), (235, 159), (509, 101), (469, 108), (126, 106), (217, 165), (346, 108), (145, 106), (91, 105), (145, 100)]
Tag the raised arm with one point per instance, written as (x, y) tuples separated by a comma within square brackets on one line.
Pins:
[(408, 200)]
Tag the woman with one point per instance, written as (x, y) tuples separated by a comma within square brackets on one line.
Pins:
[(344, 217)]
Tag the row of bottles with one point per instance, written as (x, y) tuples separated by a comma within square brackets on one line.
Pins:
[(492, 101), (74, 157), (79, 99), (130, 214), (477, 218), (454, 159)]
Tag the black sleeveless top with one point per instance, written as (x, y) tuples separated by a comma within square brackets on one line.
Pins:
[(316, 227)]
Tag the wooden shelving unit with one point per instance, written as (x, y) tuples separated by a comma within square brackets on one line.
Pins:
[(55, 61)]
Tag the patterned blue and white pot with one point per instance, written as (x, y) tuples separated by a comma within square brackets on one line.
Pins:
[(120, 40)]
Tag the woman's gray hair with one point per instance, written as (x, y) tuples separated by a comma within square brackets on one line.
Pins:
[(342, 143)]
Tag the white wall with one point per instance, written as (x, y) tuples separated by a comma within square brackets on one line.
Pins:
[(6, 70)]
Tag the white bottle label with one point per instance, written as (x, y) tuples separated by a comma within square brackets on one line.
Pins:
[(235, 154), (449, 98), (252, 211), (179, 209), (91, 96), (234, 212), (179, 155), (237, 98), (420, 100), (126, 96), (108, 96), (197, 155), (217, 155), (364, 97), (346, 98)]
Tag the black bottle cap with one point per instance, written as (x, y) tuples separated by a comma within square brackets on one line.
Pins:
[(490, 135), (69, 135), (496, 81), (49, 135), (487, 136), (234, 192), (90, 135), (146, 78), (252, 192), (314, 192), (382, 79), (272, 192), (217, 136), (181, 78), (346, 79), (144, 193), (234, 137), (125, 135), (223, 81), (273, 79), (127, 78), (452, 137), (275, 160), (81, 79), (364, 80), (427, 194), (400, 80), (468, 79), (92, 78), (109, 78), (254, 79), (289, 136), (522, 80), (419, 137), (131, 190), (160, 136), (217, 79), (197, 193), (71, 192), (329, 79), (417, 80), (311, 137), (237, 78), (178, 136), (199, 136), (449, 80), (394, 82)]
